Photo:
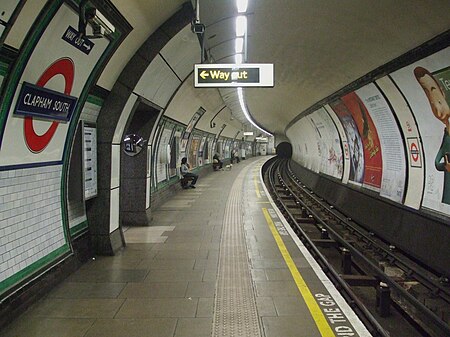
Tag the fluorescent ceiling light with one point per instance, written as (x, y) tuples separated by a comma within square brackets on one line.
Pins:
[(241, 5), (238, 58), (239, 45), (241, 25), (244, 110)]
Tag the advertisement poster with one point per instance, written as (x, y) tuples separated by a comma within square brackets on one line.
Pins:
[(184, 144), (311, 142), (355, 144), (191, 125), (328, 143), (209, 149), (201, 151), (426, 86), (294, 133), (227, 149), (163, 157), (391, 142), (373, 162), (193, 151)]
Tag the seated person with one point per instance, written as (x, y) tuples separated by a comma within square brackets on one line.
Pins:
[(186, 173), (236, 155), (217, 163)]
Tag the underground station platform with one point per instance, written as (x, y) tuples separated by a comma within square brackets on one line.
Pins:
[(217, 260)]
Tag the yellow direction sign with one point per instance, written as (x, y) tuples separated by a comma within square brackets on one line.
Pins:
[(233, 75)]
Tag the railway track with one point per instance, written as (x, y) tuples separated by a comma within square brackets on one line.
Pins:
[(353, 257)]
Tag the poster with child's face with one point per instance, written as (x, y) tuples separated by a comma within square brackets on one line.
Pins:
[(426, 86)]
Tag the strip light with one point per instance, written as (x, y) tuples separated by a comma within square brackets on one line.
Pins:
[(244, 110), (241, 25), (241, 30), (239, 45), (241, 5)]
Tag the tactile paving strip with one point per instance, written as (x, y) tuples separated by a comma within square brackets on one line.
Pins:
[(235, 304)]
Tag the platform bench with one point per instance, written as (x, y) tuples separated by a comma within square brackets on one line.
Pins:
[(185, 180)]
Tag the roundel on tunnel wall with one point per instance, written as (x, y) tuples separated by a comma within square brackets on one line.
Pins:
[(35, 142), (54, 64)]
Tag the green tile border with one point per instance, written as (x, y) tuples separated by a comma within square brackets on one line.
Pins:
[(76, 230), (33, 268)]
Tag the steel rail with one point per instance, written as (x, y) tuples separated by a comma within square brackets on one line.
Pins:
[(404, 265), (374, 325), (377, 271)]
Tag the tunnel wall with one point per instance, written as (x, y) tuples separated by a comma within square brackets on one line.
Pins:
[(47, 88), (382, 148), (421, 235), (47, 216)]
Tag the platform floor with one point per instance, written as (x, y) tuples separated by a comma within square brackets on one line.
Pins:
[(218, 260)]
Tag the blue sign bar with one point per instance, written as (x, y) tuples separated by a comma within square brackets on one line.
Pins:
[(72, 36), (44, 103)]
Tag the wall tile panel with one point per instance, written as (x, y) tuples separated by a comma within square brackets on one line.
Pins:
[(30, 217)]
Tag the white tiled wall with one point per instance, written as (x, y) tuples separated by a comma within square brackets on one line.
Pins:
[(30, 217), (115, 165), (90, 112), (114, 210), (76, 213)]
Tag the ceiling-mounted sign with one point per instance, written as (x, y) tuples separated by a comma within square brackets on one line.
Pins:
[(73, 37), (233, 75)]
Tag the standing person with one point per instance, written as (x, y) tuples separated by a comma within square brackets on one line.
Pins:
[(186, 173), (236, 155)]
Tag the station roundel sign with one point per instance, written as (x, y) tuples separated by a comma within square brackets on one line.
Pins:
[(414, 152), (65, 67)]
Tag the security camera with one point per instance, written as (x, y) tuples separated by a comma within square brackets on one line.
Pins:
[(99, 22), (197, 27)]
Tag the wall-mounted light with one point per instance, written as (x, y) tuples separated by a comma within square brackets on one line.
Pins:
[(241, 5), (238, 58), (239, 45), (241, 25)]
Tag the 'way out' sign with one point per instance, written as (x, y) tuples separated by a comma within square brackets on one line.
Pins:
[(233, 75)]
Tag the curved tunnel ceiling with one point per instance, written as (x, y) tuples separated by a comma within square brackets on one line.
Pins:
[(318, 47)]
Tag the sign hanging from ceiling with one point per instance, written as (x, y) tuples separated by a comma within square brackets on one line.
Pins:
[(233, 75)]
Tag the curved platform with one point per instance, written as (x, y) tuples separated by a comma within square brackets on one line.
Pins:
[(218, 260)]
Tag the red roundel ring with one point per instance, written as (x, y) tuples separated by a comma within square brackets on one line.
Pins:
[(64, 66), (414, 152)]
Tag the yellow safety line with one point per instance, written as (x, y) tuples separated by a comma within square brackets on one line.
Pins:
[(258, 193), (308, 297)]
